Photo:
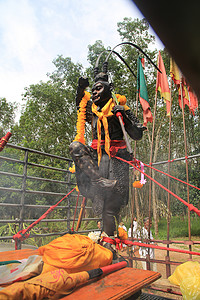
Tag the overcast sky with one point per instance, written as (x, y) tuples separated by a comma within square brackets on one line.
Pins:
[(34, 32)]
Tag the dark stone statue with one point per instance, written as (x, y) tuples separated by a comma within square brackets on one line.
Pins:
[(107, 185)]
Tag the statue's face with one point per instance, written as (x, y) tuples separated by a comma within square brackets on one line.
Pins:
[(100, 93)]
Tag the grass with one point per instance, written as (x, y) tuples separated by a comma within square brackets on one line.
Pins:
[(178, 227)]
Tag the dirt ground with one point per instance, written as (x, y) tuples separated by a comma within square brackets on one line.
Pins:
[(161, 268)]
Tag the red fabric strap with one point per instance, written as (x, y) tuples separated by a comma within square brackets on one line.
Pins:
[(115, 145), (115, 241)]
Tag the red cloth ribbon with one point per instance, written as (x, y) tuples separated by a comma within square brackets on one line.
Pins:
[(115, 241), (20, 236), (115, 145)]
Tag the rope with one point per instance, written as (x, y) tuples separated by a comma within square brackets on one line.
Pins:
[(191, 207), (118, 243), (23, 234), (129, 243), (171, 176)]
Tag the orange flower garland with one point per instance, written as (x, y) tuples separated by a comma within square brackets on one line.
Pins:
[(121, 99), (80, 125)]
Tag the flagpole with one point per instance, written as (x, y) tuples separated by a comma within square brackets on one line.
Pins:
[(186, 164), (168, 266), (134, 189), (150, 163)]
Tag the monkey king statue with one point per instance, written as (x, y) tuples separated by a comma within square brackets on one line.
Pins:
[(100, 175)]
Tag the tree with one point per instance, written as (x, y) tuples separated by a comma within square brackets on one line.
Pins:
[(48, 120), (7, 119)]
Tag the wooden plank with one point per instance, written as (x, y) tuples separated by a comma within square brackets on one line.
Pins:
[(17, 254), (118, 285)]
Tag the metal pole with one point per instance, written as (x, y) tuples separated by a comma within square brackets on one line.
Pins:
[(186, 165), (150, 162), (168, 267), (23, 195), (68, 199)]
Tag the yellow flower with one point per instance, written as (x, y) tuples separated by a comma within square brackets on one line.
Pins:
[(72, 169)]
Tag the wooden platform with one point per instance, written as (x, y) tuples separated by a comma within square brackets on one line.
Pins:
[(17, 254), (118, 285), (121, 284)]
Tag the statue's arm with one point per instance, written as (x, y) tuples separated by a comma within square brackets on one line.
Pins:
[(131, 123)]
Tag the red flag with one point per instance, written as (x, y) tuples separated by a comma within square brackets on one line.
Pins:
[(189, 98), (162, 83)]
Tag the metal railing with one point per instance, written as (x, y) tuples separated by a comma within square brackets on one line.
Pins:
[(65, 181), (21, 194)]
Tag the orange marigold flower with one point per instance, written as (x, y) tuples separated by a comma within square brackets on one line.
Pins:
[(122, 233), (137, 184)]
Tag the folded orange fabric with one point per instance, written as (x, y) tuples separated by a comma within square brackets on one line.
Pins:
[(46, 285), (74, 253)]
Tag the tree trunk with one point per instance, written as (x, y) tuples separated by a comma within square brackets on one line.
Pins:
[(154, 198), (137, 204)]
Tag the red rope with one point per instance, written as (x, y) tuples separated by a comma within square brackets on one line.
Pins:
[(118, 243), (23, 234), (126, 242), (191, 207), (171, 176)]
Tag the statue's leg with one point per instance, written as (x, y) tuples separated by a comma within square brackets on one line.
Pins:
[(111, 213), (91, 184), (119, 197), (82, 158)]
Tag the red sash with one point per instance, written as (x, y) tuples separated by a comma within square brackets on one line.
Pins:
[(115, 145)]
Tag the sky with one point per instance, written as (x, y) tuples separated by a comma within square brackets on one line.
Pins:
[(34, 32)]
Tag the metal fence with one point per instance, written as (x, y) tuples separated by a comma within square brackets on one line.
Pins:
[(21, 192), (30, 178)]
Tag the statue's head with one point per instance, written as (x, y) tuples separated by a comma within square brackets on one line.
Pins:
[(101, 90)]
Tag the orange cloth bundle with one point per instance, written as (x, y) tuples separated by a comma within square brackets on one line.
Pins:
[(46, 285), (74, 253), (122, 233)]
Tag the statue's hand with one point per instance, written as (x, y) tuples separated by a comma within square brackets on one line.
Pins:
[(118, 108), (83, 82), (141, 127)]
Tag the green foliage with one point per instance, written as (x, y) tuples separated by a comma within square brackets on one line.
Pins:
[(48, 119), (178, 227), (7, 110)]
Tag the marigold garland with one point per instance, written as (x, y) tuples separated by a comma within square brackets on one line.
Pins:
[(122, 233), (80, 125), (121, 99), (81, 115), (72, 169)]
